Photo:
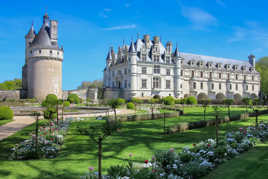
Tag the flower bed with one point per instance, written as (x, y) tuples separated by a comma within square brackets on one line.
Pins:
[(192, 162), (50, 139)]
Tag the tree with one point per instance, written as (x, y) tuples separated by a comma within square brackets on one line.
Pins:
[(98, 134), (202, 97), (191, 100), (115, 103), (237, 98), (220, 97), (63, 104), (247, 102), (169, 100), (11, 84), (136, 101), (217, 114), (153, 101), (228, 103), (73, 98), (51, 103), (262, 68), (205, 103)]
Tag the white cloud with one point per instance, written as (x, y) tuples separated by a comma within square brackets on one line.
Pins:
[(122, 27), (198, 17)]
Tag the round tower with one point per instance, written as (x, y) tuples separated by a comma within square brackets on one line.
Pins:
[(44, 63)]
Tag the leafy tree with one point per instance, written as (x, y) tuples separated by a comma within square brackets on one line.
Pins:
[(130, 105), (228, 103), (11, 84), (98, 134), (136, 101), (220, 97), (89, 84), (247, 102), (205, 103), (262, 67), (191, 100), (73, 98), (115, 103), (51, 103), (169, 100), (202, 97)]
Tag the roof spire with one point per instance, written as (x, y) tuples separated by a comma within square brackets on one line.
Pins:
[(109, 56), (132, 48), (176, 54)]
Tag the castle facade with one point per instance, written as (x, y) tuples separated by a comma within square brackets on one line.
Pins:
[(42, 71), (147, 68)]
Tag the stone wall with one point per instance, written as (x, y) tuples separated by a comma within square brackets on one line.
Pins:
[(89, 93), (6, 95)]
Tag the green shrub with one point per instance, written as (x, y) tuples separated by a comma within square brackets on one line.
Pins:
[(5, 113), (177, 101), (191, 100), (51, 99), (73, 99), (130, 105), (121, 101), (66, 103), (169, 100)]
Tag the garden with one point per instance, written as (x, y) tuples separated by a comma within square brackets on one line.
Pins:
[(137, 148)]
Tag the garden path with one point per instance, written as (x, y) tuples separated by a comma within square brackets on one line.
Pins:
[(19, 122)]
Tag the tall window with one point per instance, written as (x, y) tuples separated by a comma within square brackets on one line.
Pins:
[(168, 60), (252, 87), (219, 86), (212, 86), (245, 77), (252, 78), (192, 74), (201, 74), (181, 72), (201, 85), (156, 82), (157, 69), (168, 72), (219, 75), (210, 75), (143, 70), (125, 84), (156, 58), (143, 83), (246, 87), (230, 86), (236, 76), (228, 76), (125, 71), (236, 87), (194, 85), (167, 84)]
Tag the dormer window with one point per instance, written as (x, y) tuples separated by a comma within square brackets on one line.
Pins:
[(143, 57), (50, 51), (168, 60), (209, 65), (40, 51), (243, 68), (219, 65)]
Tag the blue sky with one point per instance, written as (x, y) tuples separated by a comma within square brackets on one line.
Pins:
[(224, 28)]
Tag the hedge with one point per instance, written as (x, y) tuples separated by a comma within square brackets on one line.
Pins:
[(6, 113)]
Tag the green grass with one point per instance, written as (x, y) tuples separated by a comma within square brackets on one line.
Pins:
[(141, 138), (3, 122)]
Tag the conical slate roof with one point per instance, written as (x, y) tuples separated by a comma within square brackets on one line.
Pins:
[(132, 48), (42, 39), (31, 33), (109, 56), (176, 54)]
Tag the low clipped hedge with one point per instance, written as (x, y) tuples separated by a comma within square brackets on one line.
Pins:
[(6, 113), (130, 105)]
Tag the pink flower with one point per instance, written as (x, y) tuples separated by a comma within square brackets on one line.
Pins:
[(90, 168), (146, 161), (171, 149), (209, 145), (130, 155)]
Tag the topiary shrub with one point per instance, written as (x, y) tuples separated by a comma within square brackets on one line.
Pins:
[(169, 100), (191, 100), (202, 97), (157, 96), (220, 98), (5, 113), (73, 99), (130, 105), (237, 98)]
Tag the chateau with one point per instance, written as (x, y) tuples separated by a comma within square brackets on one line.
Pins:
[(147, 68), (42, 71)]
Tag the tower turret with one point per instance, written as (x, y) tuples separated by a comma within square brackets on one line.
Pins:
[(133, 68), (251, 59)]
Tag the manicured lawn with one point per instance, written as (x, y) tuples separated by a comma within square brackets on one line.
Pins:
[(3, 122), (141, 138)]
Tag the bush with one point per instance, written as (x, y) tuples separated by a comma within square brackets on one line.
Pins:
[(66, 103), (169, 100), (220, 97), (130, 105), (191, 100), (157, 96), (202, 97), (5, 113), (73, 99), (237, 98), (51, 99)]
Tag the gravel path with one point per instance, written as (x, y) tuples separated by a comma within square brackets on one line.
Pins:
[(20, 122)]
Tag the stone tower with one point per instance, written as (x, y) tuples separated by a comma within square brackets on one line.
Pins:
[(42, 72)]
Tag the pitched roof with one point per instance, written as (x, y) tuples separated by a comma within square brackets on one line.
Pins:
[(42, 39)]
